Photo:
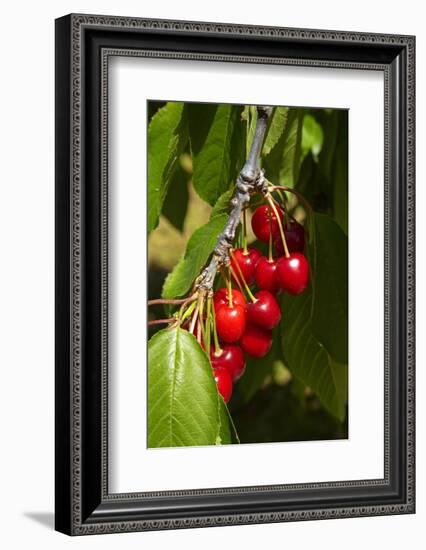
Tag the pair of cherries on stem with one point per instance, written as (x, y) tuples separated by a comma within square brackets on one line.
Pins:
[(264, 222), (250, 324), (235, 318), (287, 273)]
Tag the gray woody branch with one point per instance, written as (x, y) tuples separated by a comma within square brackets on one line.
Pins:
[(249, 180)]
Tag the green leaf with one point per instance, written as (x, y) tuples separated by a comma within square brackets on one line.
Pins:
[(167, 136), (308, 359), (330, 304), (249, 115), (276, 128), (184, 406), (312, 136), (238, 146), (210, 130), (282, 164), (176, 203), (198, 250), (223, 204)]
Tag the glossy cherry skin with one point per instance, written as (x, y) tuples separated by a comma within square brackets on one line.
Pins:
[(231, 358), (266, 274), (264, 220), (293, 273), (220, 298), (246, 263), (224, 382), (256, 341), (265, 311), (294, 236), (230, 322)]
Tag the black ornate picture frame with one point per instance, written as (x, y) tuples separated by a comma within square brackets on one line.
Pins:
[(84, 43)]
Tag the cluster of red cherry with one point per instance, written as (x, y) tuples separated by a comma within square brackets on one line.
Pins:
[(245, 326)]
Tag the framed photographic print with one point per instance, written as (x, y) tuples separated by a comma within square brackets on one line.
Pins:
[(234, 274)]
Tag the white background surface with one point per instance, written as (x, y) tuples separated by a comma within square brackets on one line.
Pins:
[(132, 81), (26, 299)]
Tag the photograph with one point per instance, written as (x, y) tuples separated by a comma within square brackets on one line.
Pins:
[(247, 273)]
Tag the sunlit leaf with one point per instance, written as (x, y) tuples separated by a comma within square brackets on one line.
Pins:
[(249, 115), (223, 204), (211, 128), (184, 407), (198, 250), (312, 136), (282, 164), (167, 137), (276, 128)]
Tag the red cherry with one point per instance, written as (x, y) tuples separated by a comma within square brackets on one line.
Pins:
[(220, 298), (293, 273), (224, 382), (230, 322), (256, 341), (265, 276), (246, 261), (265, 311), (230, 358), (294, 236), (264, 220)]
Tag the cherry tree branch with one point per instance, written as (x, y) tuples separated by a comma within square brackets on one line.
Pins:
[(249, 180)]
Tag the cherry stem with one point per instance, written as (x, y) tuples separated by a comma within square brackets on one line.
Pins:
[(287, 211), (236, 279), (280, 225), (179, 301), (161, 321), (217, 348), (270, 236), (184, 314), (200, 328), (229, 287), (208, 326), (298, 195), (245, 231), (280, 194), (194, 317), (246, 287), (283, 202)]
